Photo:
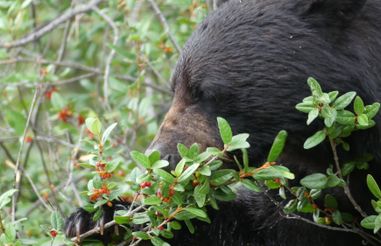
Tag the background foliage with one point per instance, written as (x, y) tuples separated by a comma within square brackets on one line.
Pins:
[(66, 64), (118, 48)]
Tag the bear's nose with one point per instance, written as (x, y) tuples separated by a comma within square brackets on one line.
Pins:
[(166, 154)]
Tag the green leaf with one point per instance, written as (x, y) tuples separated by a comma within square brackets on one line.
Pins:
[(348, 168), (152, 200), (329, 114), (314, 87), (345, 117), (239, 142), (205, 170), (332, 95), (16, 120), (273, 172), (358, 105), (377, 224), (167, 177), (107, 132), (372, 110), (154, 156), (333, 181), (5, 198), (200, 193), (175, 225), (290, 206), (373, 187), (368, 222), (140, 218), (190, 226), (93, 124), (315, 139), (156, 241), (188, 172), (182, 149), (225, 130), (330, 201), (56, 220), (337, 218), (57, 101), (184, 215), (197, 212), (344, 100), (221, 176), (121, 217), (314, 181), (140, 158), (362, 120), (251, 185), (305, 107), (179, 167), (141, 235), (277, 146), (312, 115), (160, 164)]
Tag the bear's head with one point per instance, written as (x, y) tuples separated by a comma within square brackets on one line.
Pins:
[(248, 62)]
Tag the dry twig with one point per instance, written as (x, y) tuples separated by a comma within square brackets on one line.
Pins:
[(51, 25)]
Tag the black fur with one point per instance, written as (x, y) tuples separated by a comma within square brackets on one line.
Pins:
[(248, 62)]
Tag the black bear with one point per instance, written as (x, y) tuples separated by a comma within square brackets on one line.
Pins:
[(248, 62)]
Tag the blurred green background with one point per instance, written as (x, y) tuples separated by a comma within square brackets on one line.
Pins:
[(113, 60)]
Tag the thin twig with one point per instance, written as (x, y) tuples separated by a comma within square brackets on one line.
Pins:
[(97, 229), (111, 55), (13, 166), (51, 25), (71, 167), (7, 153), (347, 191), (44, 164), (17, 167), (165, 24), (78, 67), (38, 202)]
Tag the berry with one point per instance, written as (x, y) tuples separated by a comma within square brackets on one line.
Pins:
[(28, 139), (145, 184), (53, 233), (80, 120), (65, 114)]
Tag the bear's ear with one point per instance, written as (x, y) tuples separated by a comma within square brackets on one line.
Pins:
[(336, 11)]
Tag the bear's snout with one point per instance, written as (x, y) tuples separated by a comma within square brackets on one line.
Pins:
[(185, 124)]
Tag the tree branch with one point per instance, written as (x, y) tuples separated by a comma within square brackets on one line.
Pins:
[(165, 24), (33, 36)]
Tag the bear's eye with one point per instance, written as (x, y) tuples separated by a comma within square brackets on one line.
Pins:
[(197, 95)]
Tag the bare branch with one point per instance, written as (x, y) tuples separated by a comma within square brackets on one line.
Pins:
[(347, 191), (51, 25), (165, 24), (17, 166), (114, 28), (79, 67), (98, 229)]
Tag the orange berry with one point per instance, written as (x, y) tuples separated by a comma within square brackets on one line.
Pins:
[(28, 139)]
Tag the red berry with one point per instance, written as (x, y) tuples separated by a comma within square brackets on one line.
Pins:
[(145, 184), (53, 233), (166, 199), (80, 120), (28, 139), (49, 93), (158, 194), (65, 114)]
